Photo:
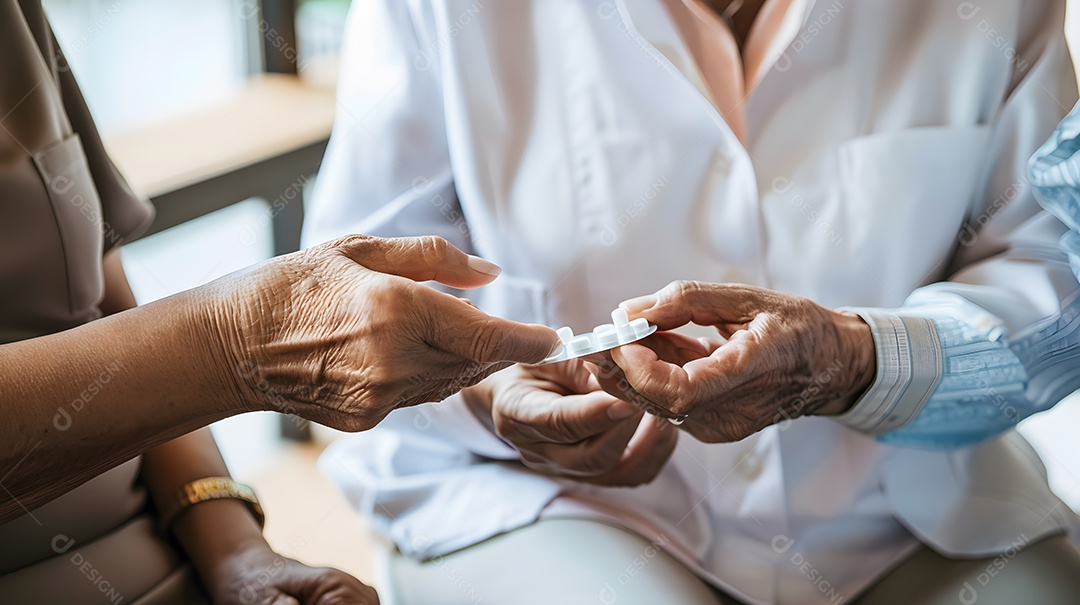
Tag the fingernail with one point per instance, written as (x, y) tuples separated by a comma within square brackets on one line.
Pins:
[(621, 410), (639, 304), (484, 266)]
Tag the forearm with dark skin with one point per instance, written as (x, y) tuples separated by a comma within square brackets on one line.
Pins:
[(82, 401), (340, 333), (212, 530)]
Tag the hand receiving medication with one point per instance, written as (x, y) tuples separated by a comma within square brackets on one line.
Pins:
[(784, 356), (621, 331)]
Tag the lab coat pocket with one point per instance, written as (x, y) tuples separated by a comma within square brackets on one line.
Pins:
[(77, 210), (911, 188)]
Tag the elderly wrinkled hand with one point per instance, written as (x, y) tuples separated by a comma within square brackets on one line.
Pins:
[(784, 357), (562, 424), (343, 334)]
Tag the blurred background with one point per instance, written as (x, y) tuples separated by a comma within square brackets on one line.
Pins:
[(220, 110)]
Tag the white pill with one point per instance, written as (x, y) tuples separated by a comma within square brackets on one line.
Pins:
[(640, 326), (580, 343), (565, 334), (608, 338), (619, 317), (600, 329)]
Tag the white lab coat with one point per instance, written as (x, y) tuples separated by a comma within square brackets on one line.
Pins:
[(573, 143)]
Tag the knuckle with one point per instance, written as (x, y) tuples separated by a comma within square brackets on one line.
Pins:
[(683, 289), (352, 241), (435, 248)]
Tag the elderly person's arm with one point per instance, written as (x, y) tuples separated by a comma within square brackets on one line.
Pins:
[(340, 334), (222, 537), (958, 362)]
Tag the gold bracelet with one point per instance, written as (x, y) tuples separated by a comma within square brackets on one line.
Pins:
[(209, 488)]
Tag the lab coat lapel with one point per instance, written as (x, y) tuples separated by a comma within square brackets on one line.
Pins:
[(794, 22), (735, 201), (650, 19)]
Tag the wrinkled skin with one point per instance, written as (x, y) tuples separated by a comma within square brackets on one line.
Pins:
[(562, 424), (260, 576), (342, 334), (784, 357)]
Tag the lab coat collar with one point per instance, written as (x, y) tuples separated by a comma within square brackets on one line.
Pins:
[(651, 20), (794, 22)]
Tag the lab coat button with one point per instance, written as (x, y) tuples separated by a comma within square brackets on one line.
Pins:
[(721, 164), (750, 466)]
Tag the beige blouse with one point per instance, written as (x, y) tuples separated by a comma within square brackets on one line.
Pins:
[(64, 205)]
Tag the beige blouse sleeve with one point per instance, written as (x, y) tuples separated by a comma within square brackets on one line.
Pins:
[(64, 203)]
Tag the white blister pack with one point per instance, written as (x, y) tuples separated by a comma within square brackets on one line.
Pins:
[(621, 331)]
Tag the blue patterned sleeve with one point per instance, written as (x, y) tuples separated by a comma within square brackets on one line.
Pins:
[(1055, 174), (965, 359), (980, 373), (990, 380)]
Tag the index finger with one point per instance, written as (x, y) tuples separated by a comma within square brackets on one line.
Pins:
[(424, 258), (706, 304)]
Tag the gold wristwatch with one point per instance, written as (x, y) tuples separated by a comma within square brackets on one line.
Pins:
[(205, 489)]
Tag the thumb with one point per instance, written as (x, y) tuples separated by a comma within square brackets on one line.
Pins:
[(470, 333), (421, 258)]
